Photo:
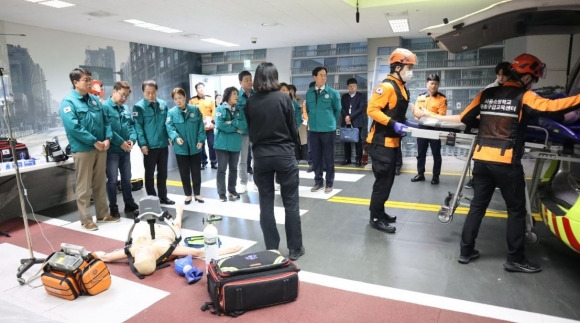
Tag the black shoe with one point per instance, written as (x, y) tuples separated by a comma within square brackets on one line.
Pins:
[(390, 218), (418, 178), (310, 169), (358, 163), (474, 254), (397, 172), (213, 166), (203, 167), (131, 207), (381, 226), (166, 201), (114, 211), (234, 195), (469, 184), (296, 253), (250, 171), (223, 198), (522, 267), (346, 162), (435, 180), (316, 188), (187, 202)]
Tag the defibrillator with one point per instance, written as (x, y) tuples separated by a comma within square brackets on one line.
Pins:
[(73, 271)]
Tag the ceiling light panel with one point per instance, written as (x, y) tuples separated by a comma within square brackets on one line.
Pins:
[(399, 25), (219, 42), (148, 25)]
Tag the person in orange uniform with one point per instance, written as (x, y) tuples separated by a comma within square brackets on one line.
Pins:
[(435, 102), (504, 112), (206, 106), (387, 108)]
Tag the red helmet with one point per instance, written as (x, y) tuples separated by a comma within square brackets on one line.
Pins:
[(402, 56), (528, 64)]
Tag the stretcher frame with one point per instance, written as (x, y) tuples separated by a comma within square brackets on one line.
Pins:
[(540, 151)]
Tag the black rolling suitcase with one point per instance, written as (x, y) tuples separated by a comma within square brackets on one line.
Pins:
[(244, 282)]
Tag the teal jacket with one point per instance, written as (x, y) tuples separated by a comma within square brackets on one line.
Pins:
[(188, 126), (242, 99), (121, 125), (84, 120), (227, 136), (150, 123), (324, 112), (297, 113)]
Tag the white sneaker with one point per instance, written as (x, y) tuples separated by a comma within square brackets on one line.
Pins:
[(276, 186), (242, 188)]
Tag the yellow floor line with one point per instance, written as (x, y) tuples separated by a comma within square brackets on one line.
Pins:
[(399, 205), (419, 206)]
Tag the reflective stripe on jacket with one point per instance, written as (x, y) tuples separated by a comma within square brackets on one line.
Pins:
[(388, 105)]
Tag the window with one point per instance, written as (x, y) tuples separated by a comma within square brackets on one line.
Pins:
[(324, 50), (237, 67), (233, 56), (223, 68), (176, 56), (470, 55), (385, 51), (331, 61)]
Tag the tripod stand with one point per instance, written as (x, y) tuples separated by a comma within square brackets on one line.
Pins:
[(25, 263)]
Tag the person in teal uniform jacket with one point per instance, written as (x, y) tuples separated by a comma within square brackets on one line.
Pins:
[(150, 114), (245, 165), (186, 129), (230, 124), (89, 135), (323, 110), (119, 155)]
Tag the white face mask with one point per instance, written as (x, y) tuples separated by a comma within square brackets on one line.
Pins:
[(407, 76)]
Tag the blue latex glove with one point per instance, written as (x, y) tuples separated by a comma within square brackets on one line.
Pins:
[(399, 128), (193, 275), (182, 263)]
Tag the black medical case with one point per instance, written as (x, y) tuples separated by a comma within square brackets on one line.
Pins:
[(244, 282)]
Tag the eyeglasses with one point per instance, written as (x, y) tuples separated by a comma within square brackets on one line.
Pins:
[(87, 79), (123, 95)]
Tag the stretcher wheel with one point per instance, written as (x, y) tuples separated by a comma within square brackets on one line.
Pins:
[(445, 214), (21, 281), (448, 199)]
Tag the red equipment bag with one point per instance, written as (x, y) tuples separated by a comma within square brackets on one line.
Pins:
[(6, 152)]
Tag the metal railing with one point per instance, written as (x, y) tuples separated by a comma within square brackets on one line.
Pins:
[(329, 52), (331, 69), (490, 61), (232, 58)]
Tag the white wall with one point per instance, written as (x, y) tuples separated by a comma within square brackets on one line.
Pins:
[(282, 58), (551, 49)]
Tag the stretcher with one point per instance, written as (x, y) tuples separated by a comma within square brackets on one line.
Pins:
[(554, 190), (449, 134)]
